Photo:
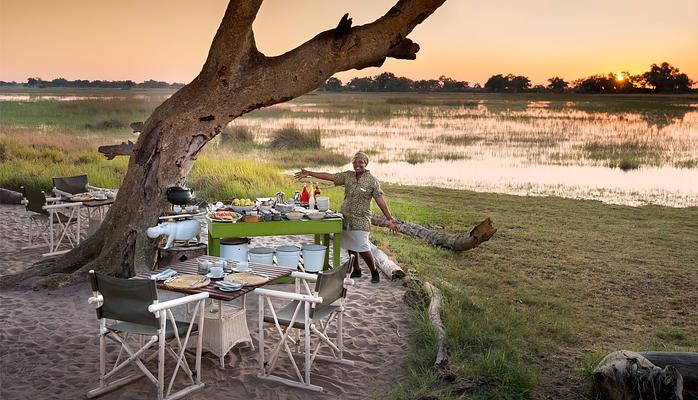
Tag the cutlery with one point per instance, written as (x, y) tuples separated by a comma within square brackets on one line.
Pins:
[(198, 281), (258, 274)]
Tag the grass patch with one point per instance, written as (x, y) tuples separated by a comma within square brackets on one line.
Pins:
[(459, 140), (541, 292), (686, 163), (415, 157), (236, 133), (291, 137), (626, 155), (404, 100), (105, 124)]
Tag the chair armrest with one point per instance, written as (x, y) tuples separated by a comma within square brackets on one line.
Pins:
[(61, 193), (304, 275), (177, 302), (288, 296), (61, 205), (90, 187)]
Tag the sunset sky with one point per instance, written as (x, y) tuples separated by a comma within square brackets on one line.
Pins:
[(467, 40)]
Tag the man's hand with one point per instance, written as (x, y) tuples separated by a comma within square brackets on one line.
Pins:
[(392, 225), (303, 173)]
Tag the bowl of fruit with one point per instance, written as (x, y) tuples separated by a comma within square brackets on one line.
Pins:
[(241, 205)]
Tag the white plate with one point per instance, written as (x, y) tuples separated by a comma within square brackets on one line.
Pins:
[(215, 277), (228, 289), (240, 270)]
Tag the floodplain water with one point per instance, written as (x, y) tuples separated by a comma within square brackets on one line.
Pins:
[(634, 149), (623, 151)]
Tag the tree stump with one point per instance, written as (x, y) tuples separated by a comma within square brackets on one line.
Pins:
[(179, 252), (627, 375)]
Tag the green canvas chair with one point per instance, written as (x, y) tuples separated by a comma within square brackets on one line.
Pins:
[(308, 316), (134, 311)]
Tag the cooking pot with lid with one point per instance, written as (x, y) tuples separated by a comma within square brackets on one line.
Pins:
[(179, 195)]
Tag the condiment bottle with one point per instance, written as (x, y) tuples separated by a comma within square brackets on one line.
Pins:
[(316, 193), (305, 196)]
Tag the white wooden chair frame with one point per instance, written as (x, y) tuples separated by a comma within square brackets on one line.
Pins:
[(89, 211), (308, 301), (163, 311), (64, 231)]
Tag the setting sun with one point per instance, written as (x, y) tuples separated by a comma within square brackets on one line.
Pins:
[(619, 76)]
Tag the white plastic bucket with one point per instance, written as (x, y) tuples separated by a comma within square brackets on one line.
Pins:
[(313, 257), (323, 203), (262, 255), (234, 249), (288, 256)]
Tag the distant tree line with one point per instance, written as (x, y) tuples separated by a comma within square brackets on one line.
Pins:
[(662, 78), (81, 83)]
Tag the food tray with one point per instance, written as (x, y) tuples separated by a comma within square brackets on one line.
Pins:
[(187, 282), (82, 197), (247, 278)]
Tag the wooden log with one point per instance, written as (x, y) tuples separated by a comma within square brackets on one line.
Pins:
[(386, 265), (627, 375), (481, 233), (113, 150), (685, 363), (441, 362), (180, 252)]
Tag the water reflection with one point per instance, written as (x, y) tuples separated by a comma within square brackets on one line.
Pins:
[(662, 186)]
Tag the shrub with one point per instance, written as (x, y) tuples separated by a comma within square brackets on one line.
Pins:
[(237, 133), (291, 137), (106, 124)]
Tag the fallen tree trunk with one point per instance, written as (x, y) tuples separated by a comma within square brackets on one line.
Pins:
[(387, 265), (481, 233), (627, 375), (685, 363), (434, 293)]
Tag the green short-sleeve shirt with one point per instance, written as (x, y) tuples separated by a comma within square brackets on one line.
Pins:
[(356, 206)]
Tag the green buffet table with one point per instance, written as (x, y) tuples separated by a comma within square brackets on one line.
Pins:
[(321, 229)]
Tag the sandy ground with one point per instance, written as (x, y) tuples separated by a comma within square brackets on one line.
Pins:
[(49, 342)]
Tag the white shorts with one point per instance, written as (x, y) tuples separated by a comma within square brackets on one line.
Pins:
[(355, 241)]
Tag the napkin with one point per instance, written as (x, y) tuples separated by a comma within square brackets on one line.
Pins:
[(169, 272)]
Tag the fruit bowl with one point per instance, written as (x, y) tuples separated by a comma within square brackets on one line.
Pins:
[(315, 215), (294, 215)]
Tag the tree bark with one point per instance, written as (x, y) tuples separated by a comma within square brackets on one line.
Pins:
[(481, 233), (627, 375), (386, 264), (235, 79), (685, 363), (441, 361)]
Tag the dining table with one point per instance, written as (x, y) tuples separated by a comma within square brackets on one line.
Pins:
[(321, 229), (225, 324)]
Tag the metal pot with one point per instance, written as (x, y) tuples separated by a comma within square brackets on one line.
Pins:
[(178, 195)]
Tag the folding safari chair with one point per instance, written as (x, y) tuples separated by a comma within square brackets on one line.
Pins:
[(310, 312), (133, 306), (67, 186), (58, 224)]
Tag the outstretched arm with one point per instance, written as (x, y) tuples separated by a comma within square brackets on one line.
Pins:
[(392, 222), (304, 173)]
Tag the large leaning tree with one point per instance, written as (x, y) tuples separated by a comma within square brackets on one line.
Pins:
[(235, 79)]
